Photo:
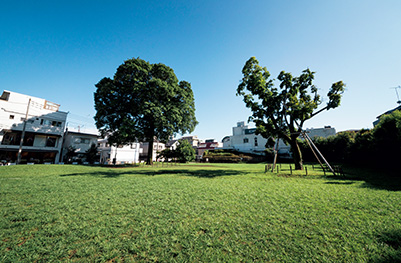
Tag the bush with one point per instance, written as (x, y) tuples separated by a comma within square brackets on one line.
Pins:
[(373, 147)]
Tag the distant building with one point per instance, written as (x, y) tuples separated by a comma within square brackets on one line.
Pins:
[(387, 112), (122, 154), (172, 144), (206, 146), (192, 139), (320, 132), (44, 128), (80, 143), (245, 140)]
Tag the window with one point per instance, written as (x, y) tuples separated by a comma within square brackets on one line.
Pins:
[(5, 96), (85, 141), (11, 139), (45, 122), (11, 117), (246, 140), (133, 146), (56, 123), (28, 139), (81, 140), (51, 141), (50, 123), (256, 141)]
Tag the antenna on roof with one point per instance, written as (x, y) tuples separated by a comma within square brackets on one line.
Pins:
[(396, 91)]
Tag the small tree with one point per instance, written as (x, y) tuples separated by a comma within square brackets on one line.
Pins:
[(70, 153), (92, 154), (281, 112), (185, 152)]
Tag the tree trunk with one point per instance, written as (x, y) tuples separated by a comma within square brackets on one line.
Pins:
[(151, 137), (296, 154), (149, 160)]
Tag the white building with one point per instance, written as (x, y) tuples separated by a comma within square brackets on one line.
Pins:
[(44, 128), (245, 140), (121, 154)]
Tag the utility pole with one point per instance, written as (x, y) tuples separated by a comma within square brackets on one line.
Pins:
[(23, 133)]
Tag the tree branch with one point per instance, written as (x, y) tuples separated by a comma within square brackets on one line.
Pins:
[(317, 112)]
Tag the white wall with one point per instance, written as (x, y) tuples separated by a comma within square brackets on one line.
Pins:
[(126, 154)]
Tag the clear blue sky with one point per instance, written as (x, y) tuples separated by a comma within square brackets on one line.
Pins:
[(58, 50)]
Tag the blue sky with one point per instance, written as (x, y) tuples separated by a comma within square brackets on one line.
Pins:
[(58, 50)]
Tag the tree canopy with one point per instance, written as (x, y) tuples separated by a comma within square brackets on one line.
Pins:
[(280, 112), (142, 102)]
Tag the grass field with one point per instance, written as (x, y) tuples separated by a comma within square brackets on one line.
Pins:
[(193, 213)]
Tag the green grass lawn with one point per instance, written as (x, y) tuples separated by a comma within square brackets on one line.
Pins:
[(193, 213)]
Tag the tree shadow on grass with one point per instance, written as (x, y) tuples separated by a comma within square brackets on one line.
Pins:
[(342, 182), (201, 173), (375, 179), (392, 239)]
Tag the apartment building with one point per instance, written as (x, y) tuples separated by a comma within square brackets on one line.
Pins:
[(38, 122)]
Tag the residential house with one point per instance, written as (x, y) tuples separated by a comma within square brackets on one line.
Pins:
[(111, 154), (387, 112), (42, 130), (76, 144), (172, 144)]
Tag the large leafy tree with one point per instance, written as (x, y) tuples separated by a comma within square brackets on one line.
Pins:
[(280, 112), (142, 102)]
